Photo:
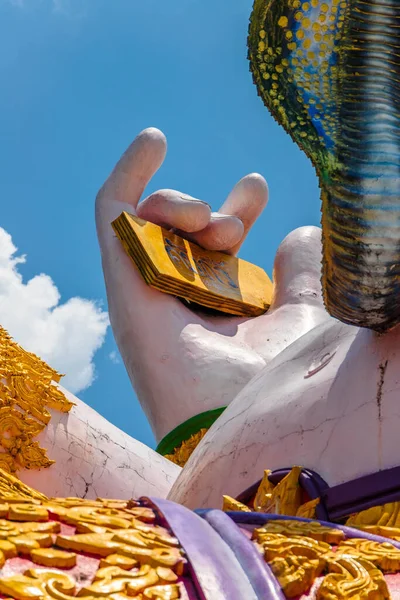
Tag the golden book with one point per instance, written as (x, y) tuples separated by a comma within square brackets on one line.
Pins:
[(175, 266)]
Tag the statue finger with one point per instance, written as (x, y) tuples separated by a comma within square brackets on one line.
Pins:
[(246, 201), (297, 269), (134, 170), (222, 233), (173, 210)]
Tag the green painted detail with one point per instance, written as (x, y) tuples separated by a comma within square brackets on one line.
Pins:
[(183, 432)]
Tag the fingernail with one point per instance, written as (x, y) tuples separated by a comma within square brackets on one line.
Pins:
[(191, 199), (216, 216)]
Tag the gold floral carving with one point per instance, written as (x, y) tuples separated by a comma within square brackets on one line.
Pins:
[(183, 452), (382, 555), (35, 583), (264, 493), (27, 391), (111, 580), (295, 561), (351, 577), (234, 505), (295, 574), (137, 558), (312, 530), (379, 520), (13, 490), (387, 532), (285, 498), (307, 510), (300, 552)]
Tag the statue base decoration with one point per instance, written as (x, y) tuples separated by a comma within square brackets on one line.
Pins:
[(153, 549)]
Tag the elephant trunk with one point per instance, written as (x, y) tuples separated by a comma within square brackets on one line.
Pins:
[(361, 197)]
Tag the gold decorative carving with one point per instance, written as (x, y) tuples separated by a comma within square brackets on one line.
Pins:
[(299, 552), (35, 583), (275, 545), (350, 577), (295, 574), (162, 592), (285, 498), (118, 560), (183, 452), (137, 558), (232, 504), (386, 515), (111, 580), (12, 489), (295, 561), (27, 512), (307, 510), (388, 532), (7, 462), (313, 530), (51, 557), (382, 555), (27, 390), (263, 496), (31, 541), (379, 520), (286, 495)]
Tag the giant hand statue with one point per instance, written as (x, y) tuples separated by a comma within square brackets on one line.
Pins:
[(184, 363), (304, 405)]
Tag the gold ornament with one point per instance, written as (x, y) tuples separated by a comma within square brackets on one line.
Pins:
[(285, 498), (183, 452), (136, 558), (27, 390), (300, 552)]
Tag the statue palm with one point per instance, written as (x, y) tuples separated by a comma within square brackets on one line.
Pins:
[(183, 362)]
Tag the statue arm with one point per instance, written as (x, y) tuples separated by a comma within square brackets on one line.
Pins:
[(93, 458)]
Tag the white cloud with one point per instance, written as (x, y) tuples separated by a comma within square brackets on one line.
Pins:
[(65, 335), (113, 356)]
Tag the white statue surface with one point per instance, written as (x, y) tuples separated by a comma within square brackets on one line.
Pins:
[(180, 362), (302, 388)]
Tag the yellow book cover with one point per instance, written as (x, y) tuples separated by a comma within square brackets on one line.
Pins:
[(175, 266)]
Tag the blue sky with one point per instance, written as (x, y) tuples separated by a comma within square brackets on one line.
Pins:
[(80, 79)]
